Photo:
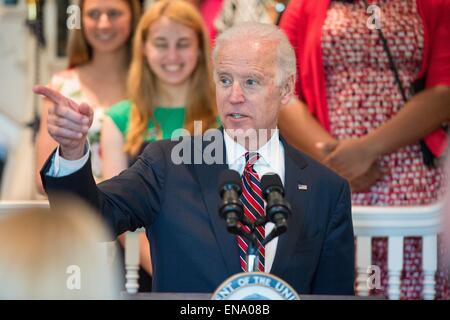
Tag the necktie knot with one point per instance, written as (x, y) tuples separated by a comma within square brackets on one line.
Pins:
[(250, 160)]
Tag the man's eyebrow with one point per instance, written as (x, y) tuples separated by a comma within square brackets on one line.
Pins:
[(221, 72), (255, 75)]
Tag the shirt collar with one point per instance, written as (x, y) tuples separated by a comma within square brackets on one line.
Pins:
[(267, 152)]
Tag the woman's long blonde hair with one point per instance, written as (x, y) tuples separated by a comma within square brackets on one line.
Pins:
[(200, 104), (79, 51)]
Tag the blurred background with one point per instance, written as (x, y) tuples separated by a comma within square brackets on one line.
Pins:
[(33, 47)]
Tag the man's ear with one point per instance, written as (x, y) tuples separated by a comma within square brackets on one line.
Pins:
[(287, 90)]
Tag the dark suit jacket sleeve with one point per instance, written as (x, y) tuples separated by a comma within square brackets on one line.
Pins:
[(128, 201), (335, 274)]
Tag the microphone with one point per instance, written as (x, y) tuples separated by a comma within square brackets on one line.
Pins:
[(277, 208), (230, 207)]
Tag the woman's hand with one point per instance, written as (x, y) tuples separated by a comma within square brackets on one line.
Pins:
[(366, 181), (340, 157), (349, 158)]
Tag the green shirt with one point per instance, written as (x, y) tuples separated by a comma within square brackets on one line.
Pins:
[(168, 119)]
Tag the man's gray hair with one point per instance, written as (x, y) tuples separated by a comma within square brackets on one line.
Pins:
[(254, 31)]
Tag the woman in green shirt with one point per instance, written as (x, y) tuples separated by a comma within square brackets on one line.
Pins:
[(169, 119), (169, 84), (169, 87)]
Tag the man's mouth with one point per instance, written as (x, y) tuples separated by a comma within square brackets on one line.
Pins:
[(237, 115)]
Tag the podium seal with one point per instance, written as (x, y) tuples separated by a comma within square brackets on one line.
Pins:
[(254, 286)]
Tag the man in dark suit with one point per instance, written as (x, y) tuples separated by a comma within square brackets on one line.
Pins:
[(254, 70)]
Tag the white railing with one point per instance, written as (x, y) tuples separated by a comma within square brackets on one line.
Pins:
[(9, 207), (396, 223), (132, 250)]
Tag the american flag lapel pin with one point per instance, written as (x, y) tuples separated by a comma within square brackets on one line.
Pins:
[(302, 187)]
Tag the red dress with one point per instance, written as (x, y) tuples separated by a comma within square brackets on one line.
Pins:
[(360, 95)]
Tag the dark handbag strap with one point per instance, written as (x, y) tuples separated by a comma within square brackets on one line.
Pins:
[(427, 155), (392, 64)]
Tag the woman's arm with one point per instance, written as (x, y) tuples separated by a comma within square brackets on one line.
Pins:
[(424, 113), (44, 145), (301, 129), (114, 159)]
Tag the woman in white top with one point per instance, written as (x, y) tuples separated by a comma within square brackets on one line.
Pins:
[(99, 57)]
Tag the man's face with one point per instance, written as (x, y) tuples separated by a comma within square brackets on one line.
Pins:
[(247, 94)]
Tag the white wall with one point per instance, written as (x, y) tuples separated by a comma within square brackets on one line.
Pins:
[(17, 52)]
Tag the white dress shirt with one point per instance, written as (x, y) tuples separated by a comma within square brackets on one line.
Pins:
[(61, 167), (271, 160)]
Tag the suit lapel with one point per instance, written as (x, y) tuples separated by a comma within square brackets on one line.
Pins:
[(294, 164), (208, 178)]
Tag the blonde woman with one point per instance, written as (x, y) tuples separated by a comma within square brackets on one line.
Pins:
[(56, 254), (169, 87), (99, 58)]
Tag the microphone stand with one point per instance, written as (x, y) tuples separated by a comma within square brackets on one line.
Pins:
[(252, 256), (234, 226), (252, 251)]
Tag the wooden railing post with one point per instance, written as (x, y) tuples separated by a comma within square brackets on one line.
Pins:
[(395, 266), (363, 261), (132, 262), (396, 223), (429, 259)]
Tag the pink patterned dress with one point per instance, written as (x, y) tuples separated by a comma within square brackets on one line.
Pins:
[(362, 95)]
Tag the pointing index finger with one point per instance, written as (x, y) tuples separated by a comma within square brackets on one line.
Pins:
[(54, 96)]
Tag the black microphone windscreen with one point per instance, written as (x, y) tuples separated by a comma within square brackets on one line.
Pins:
[(229, 177), (271, 180)]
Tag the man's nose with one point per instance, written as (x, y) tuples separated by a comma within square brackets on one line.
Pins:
[(236, 96)]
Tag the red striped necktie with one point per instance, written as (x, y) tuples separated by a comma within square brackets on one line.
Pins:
[(253, 204)]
